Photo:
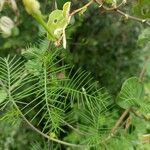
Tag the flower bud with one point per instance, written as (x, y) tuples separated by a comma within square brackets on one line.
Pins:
[(1, 4), (32, 6), (6, 26)]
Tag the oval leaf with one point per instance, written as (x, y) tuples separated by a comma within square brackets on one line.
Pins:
[(131, 94)]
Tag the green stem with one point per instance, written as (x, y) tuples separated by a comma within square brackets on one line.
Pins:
[(40, 20)]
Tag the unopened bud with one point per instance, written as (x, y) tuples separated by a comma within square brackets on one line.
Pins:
[(1, 4), (32, 6)]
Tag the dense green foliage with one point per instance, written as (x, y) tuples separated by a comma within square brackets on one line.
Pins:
[(93, 94)]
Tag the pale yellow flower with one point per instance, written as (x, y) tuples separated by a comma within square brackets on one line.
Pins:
[(6, 26), (32, 6)]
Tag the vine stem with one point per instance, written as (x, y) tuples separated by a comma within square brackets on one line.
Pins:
[(80, 9)]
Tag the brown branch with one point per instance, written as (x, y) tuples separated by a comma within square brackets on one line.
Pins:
[(118, 123), (132, 17), (116, 9), (115, 6), (127, 124), (82, 8), (120, 120)]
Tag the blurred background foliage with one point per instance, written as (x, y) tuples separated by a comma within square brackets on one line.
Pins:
[(103, 43)]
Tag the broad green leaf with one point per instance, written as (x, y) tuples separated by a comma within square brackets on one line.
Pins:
[(3, 95), (131, 94), (57, 23), (66, 10)]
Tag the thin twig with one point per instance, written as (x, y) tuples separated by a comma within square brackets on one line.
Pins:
[(132, 17), (118, 123), (127, 124), (115, 7), (127, 16), (120, 120), (82, 8)]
